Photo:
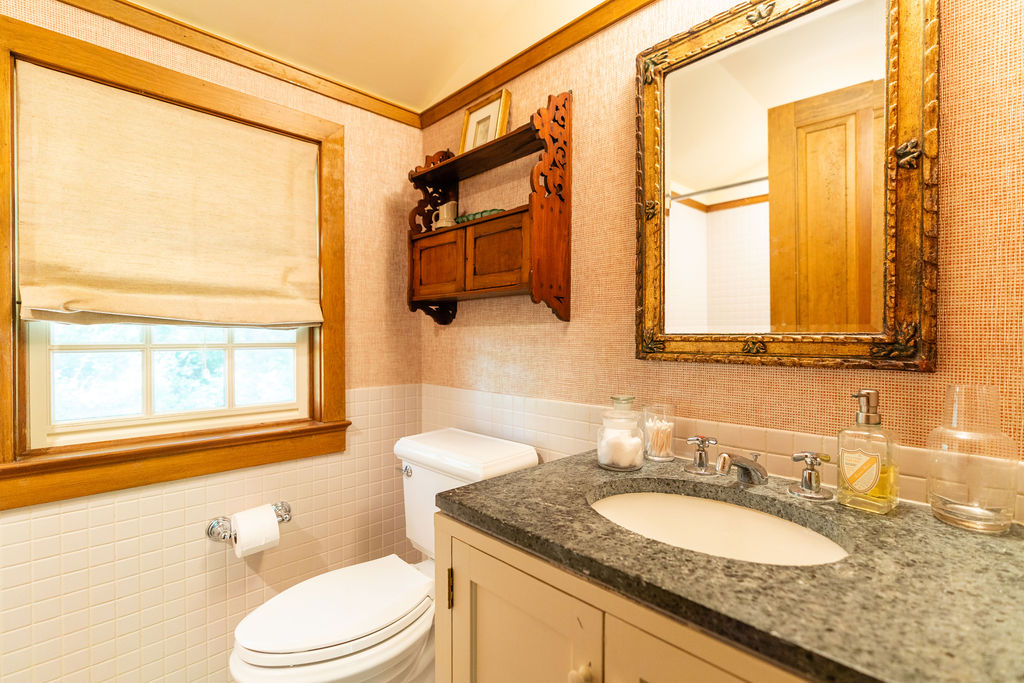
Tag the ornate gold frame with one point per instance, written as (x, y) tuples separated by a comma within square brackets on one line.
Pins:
[(908, 341)]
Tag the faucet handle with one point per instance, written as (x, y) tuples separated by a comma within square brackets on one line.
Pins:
[(700, 464), (809, 487), (811, 458)]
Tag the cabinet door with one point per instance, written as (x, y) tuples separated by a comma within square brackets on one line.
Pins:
[(508, 627), (497, 252), (634, 656), (439, 264)]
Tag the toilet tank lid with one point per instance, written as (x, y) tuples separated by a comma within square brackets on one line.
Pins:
[(465, 455)]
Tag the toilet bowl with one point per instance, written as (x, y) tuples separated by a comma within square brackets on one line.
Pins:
[(372, 621)]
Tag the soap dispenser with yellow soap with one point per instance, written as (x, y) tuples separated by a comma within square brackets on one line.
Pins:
[(868, 474)]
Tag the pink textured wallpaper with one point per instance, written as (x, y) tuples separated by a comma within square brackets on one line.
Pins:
[(378, 155), (510, 345), (125, 585)]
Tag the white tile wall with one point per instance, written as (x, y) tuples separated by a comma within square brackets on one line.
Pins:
[(126, 585), (739, 272), (558, 429), (686, 247), (720, 259)]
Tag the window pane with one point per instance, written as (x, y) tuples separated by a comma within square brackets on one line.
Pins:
[(61, 333), (264, 376), (91, 385), (256, 335), (179, 334), (188, 380)]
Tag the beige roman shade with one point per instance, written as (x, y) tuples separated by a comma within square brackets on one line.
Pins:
[(131, 209)]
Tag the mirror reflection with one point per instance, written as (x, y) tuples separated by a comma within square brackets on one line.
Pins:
[(774, 178)]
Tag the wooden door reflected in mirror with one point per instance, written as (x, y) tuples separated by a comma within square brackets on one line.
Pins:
[(826, 233)]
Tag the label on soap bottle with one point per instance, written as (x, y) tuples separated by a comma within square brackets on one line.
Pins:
[(860, 470)]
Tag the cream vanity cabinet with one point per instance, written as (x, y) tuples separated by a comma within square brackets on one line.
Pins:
[(512, 617)]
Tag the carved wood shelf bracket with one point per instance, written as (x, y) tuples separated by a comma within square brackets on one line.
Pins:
[(442, 313), (420, 218), (551, 206)]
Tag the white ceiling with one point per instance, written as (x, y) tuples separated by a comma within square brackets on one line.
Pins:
[(411, 52), (718, 108)]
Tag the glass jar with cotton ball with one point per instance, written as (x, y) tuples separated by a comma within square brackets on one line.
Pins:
[(620, 441)]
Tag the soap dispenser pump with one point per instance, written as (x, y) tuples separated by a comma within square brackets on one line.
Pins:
[(868, 476)]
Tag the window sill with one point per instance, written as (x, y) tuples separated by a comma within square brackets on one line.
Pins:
[(63, 472)]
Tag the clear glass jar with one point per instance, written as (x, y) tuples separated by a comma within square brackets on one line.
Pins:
[(622, 402), (972, 478), (658, 430), (620, 442)]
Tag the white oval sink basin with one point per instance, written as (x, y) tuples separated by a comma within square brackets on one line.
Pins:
[(717, 528)]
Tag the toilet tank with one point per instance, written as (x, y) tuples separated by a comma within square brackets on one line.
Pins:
[(444, 459)]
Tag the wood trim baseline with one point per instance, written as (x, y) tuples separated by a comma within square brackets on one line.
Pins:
[(721, 206), (576, 31), (734, 203), (693, 204), (165, 27)]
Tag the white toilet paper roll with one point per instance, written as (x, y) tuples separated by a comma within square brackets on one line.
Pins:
[(255, 529)]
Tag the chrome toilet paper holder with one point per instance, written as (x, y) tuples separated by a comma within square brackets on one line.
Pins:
[(220, 529)]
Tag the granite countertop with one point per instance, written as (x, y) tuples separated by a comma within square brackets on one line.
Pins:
[(915, 599)]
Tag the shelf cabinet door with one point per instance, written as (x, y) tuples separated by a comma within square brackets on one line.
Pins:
[(438, 265), (509, 627), (497, 252), (634, 656)]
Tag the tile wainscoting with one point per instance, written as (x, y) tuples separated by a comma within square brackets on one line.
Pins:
[(126, 585), (560, 428)]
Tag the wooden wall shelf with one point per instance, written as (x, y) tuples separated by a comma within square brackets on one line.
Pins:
[(521, 142), (518, 251)]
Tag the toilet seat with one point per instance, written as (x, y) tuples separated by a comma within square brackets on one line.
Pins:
[(335, 614), (333, 652), (407, 657)]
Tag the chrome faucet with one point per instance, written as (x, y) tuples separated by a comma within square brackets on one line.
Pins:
[(748, 470)]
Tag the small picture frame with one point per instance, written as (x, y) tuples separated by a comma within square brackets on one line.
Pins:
[(485, 120)]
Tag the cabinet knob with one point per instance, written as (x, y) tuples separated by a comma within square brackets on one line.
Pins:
[(581, 675)]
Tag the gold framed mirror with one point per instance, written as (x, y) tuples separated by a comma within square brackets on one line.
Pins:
[(787, 193)]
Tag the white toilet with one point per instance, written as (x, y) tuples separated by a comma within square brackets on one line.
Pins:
[(373, 621)]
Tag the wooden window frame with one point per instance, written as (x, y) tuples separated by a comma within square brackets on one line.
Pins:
[(29, 477)]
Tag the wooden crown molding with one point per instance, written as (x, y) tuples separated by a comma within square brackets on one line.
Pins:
[(124, 12), (578, 30)]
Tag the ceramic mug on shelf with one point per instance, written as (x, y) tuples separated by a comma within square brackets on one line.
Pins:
[(444, 217)]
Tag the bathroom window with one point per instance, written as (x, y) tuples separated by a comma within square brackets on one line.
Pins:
[(100, 382), (174, 282)]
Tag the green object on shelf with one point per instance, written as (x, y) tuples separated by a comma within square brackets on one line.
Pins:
[(466, 217)]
